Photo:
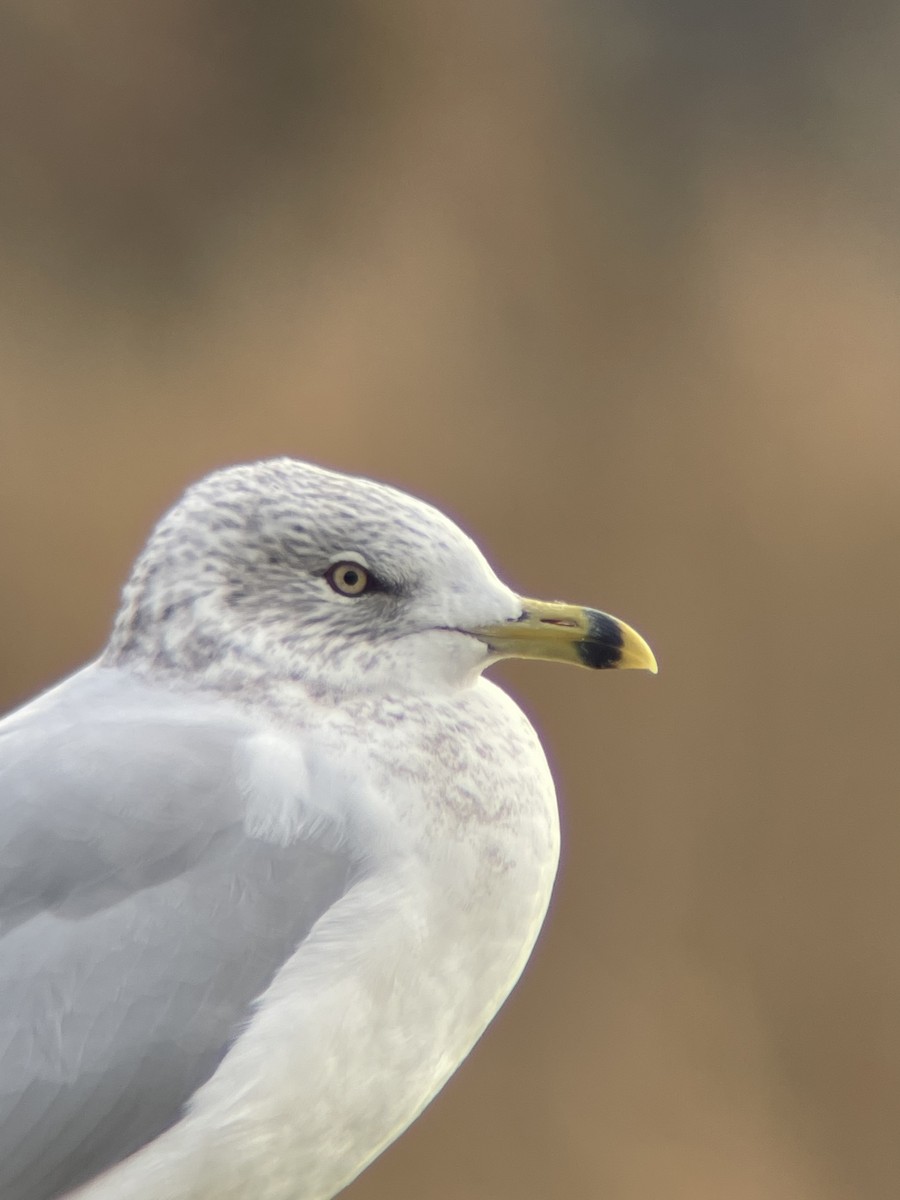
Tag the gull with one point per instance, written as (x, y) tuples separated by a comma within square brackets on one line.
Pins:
[(271, 863)]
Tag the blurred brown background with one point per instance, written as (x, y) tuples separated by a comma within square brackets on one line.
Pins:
[(619, 286)]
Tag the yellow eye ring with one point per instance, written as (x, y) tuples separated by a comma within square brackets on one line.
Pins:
[(348, 578)]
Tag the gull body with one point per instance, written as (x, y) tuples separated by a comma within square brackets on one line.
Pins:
[(271, 864)]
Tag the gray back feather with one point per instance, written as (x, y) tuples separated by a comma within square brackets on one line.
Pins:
[(138, 920)]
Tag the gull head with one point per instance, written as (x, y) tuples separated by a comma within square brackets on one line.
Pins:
[(285, 571)]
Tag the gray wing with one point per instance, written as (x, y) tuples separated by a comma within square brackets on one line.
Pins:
[(138, 920)]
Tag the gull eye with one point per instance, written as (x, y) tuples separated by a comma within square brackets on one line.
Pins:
[(348, 578)]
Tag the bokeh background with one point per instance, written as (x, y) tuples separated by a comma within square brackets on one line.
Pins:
[(618, 285)]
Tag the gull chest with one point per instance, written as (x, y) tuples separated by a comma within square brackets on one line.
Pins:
[(438, 930)]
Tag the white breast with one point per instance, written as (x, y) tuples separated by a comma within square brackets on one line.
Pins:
[(392, 988)]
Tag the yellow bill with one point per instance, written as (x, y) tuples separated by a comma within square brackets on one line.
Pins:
[(567, 633)]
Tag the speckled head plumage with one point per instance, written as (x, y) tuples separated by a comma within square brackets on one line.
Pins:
[(235, 578)]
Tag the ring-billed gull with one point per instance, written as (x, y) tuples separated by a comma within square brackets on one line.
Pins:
[(270, 865)]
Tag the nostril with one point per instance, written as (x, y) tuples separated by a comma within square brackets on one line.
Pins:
[(559, 621)]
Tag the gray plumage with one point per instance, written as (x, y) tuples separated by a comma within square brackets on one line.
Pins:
[(134, 938), (269, 866)]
